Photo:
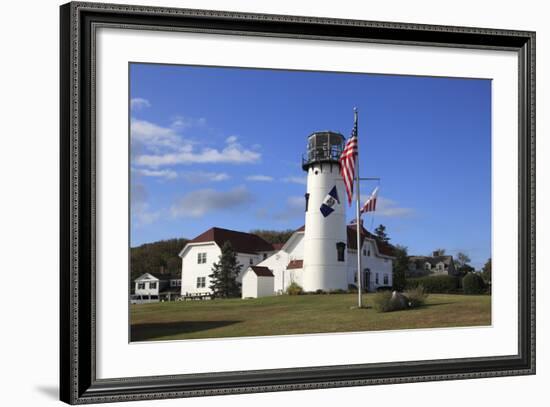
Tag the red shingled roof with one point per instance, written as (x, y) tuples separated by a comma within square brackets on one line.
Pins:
[(384, 248), (262, 271), (242, 242), (295, 264), (277, 246)]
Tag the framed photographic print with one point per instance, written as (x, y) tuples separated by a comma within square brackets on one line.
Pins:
[(255, 203)]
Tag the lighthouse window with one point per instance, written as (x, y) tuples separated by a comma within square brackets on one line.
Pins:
[(307, 200), (340, 249)]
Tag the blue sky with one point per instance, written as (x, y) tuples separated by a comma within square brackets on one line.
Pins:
[(222, 147)]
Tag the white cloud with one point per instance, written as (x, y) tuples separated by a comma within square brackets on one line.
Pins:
[(389, 208), (139, 103), (232, 154), (198, 177), (155, 146), (139, 207), (260, 178), (152, 136), (167, 174), (296, 180), (293, 209), (197, 203), (184, 122), (141, 214)]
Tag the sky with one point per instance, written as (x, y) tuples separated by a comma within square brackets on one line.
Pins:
[(222, 147)]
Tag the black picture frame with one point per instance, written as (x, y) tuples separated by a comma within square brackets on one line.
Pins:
[(78, 382)]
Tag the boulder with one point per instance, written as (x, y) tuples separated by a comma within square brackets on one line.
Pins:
[(398, 300)]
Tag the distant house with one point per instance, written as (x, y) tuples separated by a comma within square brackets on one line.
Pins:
[(436, 264), (155, 287), (257, 282), (200, 253)]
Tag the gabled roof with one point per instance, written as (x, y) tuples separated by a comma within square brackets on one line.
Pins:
[(146, 276), (242, 242), (295, 264), (433, 260), (385, 249), (277, 246), (261, 271)]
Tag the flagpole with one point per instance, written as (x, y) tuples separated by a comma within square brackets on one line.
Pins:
[(358, 217)]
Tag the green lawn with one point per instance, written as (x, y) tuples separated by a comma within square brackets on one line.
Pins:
[(283, 315)]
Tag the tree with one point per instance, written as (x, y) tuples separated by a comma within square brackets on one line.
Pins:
[(473, 284), (400, 266), (462, 259), (380, 233), (486, 271), (273, 236), (223, 280), (158, 257)]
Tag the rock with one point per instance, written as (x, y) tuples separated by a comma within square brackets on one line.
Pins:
[(399, 300)]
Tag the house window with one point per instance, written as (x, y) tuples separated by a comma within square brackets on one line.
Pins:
[(307, 200), (153, 286), (201, 258), (386, 279), (368, 253), (340, 249), (201, 282), (141, 286), (364, 252), (376, 279), (427, 266)]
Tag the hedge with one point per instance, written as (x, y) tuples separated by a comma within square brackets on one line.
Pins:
[(473, 284), (435, 284)]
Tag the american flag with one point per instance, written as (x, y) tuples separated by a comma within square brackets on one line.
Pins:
[(347, 162), (370, 205)]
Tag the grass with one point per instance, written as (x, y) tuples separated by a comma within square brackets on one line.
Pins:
[(284, 315)]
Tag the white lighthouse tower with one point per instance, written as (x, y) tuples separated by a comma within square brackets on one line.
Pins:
[(325, 236)]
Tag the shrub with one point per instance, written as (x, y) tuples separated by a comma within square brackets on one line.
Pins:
[(384, 288), (294, 289), (319, 291), (416, 296), (473, 284), (384, 302), (435, 284), (337, 291)]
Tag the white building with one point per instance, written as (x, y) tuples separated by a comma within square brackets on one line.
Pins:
[(322, 255), (200, 253), (257, 282), (154, 288), (287, 264), (147, 285)]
